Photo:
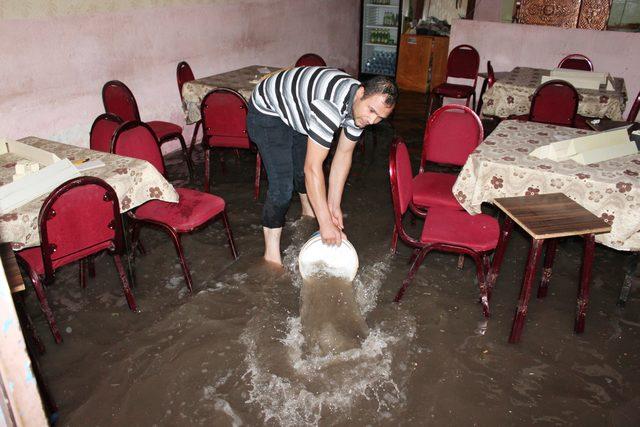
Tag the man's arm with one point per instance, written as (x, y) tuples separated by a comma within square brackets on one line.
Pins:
[(317, 193), (340, 167)]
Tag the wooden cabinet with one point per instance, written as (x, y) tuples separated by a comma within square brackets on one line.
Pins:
[(422, 62)]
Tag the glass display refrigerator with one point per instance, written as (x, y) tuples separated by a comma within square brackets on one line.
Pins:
[(379, 37)]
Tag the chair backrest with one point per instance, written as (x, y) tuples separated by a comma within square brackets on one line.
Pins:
[(576, 61), (633, 113), (554, 102), (137, 140), (463, 63), (102, 130), (183, 75), (452, 133), (401, 177), (79, 218), (119, 100), (491, 75), (224, 119), (310, 60)]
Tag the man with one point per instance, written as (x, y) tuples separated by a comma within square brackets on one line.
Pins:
[(293, 116)]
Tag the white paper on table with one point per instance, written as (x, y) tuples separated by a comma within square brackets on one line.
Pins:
[(91, 164), (601, 146), (605, 153), (556, 151), (28, 152), (597, 140), (264, 70), (32, 186)]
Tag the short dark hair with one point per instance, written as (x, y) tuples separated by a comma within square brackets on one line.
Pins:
[(381, 85)]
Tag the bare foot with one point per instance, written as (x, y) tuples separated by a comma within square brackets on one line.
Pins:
[(273, 261), (307, 210)]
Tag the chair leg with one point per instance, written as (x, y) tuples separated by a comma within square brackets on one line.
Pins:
[(394, 240), (82, 273), (430, 104), (194, 138), (460, 262), (585, 278), (207, 167), (232, 244), (131, 301), (482, 91), (256, 183), (135, 239), (412, 272), (482, 283), (175, 237), (549, 256), (31, 335), (44, 306), (498, 256), (525, 292), (187, 156), (91, 266)]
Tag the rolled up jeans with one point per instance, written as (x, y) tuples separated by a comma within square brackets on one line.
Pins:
[(283, 151)]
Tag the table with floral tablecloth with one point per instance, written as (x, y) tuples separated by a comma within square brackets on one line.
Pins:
[(502, 167), (511, 95), (135, 182), (242, 80)]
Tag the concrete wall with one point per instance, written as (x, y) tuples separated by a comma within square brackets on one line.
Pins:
[(511, 45), (56, 55)]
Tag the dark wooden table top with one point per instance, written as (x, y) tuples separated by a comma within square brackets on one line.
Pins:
[(552, 215), (11, 268)]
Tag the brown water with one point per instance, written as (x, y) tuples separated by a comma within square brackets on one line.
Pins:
[(241, 349)]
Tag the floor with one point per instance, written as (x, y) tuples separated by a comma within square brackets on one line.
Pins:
[(233, 352)]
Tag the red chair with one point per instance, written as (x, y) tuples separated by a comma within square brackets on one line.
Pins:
[(576, 61), (102, 130), (184, 75), (78, 219), (119, 100), (633, 113), (444, 229), (224, 125), (487, 84), (193, 210), (452, 133), (463, 63), (554, 102), (310, 60)]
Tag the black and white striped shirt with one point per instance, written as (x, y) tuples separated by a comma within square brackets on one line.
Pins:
[(314, 101)]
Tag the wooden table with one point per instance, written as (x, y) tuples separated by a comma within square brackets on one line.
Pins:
[(242, 80), (545, 218), (135, 182), (511, 95), (11, 269)]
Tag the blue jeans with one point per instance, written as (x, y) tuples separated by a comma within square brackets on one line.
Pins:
[(283, 151)]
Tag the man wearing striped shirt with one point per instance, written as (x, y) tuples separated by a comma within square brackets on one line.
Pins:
[(293, 117)]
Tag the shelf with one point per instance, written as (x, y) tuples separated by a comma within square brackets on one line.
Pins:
[(388, 6), (382, 26), (392, 46)]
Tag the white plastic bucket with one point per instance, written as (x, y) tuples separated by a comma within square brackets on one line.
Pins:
[(316, 257)]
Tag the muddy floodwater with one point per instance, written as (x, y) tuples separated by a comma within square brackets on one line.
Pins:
[(254, 345)]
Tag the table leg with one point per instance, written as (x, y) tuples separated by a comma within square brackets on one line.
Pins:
[(630, 267), (498, 256), (129, 250), (585, 277), (525, 292), (549, 257)]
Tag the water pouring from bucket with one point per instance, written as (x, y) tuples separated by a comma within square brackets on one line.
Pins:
[(331, 319)]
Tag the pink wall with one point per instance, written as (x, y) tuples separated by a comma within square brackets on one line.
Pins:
[(488, 10), (53, 69), (510, 45)]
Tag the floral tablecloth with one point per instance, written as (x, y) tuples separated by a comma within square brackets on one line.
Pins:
[(135, 182), (242, 80), (512, 94), (502, 167)]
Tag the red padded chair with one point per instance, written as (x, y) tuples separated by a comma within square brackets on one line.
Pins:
[(310, 60), (78, 219), (452, 133), (576, 61), (444, 229), (554, 102), (633, 113), (184, 75), (194, 208), (119, 100), (102, 130), (224, 125), (463, 63), (487, 84)]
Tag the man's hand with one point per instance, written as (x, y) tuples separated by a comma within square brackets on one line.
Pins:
[(336, 216), (331, 234)]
